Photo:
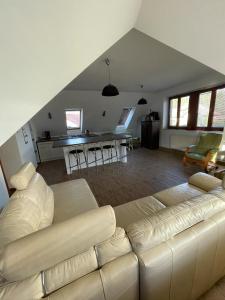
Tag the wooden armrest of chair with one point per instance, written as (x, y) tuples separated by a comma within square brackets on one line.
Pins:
[(189, 148)]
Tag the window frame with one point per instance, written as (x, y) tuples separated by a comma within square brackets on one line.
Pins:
[(73, 109), (178, 110), (193, 110), (128, 119)]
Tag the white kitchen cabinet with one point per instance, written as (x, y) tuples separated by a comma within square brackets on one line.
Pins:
[(47, 152)]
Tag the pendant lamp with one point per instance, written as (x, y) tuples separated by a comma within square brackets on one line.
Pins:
[(142, 101), (109, 90)]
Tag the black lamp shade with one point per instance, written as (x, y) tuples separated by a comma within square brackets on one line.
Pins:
[(110, 90), (142, 101)]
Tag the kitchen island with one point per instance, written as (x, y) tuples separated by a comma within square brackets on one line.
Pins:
[(93, 158)]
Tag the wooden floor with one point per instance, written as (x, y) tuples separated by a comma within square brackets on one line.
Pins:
[(147, 172)]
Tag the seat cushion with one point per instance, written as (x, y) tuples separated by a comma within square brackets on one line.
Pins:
[(87, 287), (177, 194), (136, 210), (196, 156), (72, 198)]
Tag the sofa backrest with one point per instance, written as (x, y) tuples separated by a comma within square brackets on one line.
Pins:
[(71, 251), (168, 222), (181, 249), (208, 141), (30, 208)]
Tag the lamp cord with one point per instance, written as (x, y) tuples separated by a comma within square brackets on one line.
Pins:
[(108, 63)]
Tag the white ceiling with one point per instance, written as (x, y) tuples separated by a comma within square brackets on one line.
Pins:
[(139, 59)]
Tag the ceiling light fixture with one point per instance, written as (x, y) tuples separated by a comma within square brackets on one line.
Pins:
[(142, 101), (109, 90)]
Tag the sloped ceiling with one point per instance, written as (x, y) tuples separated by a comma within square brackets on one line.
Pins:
[(139, 59), (193, 27), (46, 43)]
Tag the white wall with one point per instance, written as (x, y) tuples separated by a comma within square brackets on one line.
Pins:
[(93, 105), (4, 196), (179, 139), (15, 152), (45, 44), (193, 27)]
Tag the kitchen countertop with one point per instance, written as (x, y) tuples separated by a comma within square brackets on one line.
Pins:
[(62, 137), (72, 141)]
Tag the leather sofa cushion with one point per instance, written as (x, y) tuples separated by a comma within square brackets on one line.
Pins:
[(21, 179), (80, 265), (47, 247), (113, 248), (27, 211), (117, 280), (178, 194), (48, 209), (204, 181), (120, 278), (168, 222), (70, 270), (72, 198), (186, 265), (88, 287), (28, 289), (219, 192), (136, 210)]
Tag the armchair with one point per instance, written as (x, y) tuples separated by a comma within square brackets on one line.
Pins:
[(205, 152)]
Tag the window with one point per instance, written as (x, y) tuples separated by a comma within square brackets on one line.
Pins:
[(126, 116), (179, 107), (203, 110), (173, 112), (219, 110), (184, 105), (73, 119)]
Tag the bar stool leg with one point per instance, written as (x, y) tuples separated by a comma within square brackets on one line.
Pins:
[(116, 151), (69, 163), (76, 158), (85, 157), (95, 159), (79, 168), (111, 155)]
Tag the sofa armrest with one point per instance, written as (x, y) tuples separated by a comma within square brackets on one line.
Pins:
[(204, 181), (45, 248)]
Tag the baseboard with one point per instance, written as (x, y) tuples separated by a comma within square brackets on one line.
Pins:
[(170, 150)]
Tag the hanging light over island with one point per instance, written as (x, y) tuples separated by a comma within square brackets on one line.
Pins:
[(109, 90), (142, 101)]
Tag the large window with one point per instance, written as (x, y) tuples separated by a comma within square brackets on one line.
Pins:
[(73, 119), (203, 109), (179, 111), (218, 119)]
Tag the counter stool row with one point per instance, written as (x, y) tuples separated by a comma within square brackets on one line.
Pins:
[(76, 153)]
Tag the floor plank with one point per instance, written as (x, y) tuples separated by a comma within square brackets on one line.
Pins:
[(147, 172)]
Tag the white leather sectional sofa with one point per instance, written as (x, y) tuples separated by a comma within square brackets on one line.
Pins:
[(56, 243)]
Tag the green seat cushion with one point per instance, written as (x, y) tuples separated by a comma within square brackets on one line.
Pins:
[(195, 156), (200, 150)]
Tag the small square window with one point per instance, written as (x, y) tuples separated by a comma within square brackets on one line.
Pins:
[(73, 119)]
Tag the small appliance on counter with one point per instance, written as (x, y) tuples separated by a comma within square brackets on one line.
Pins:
[(152, 116), (47, 135)]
